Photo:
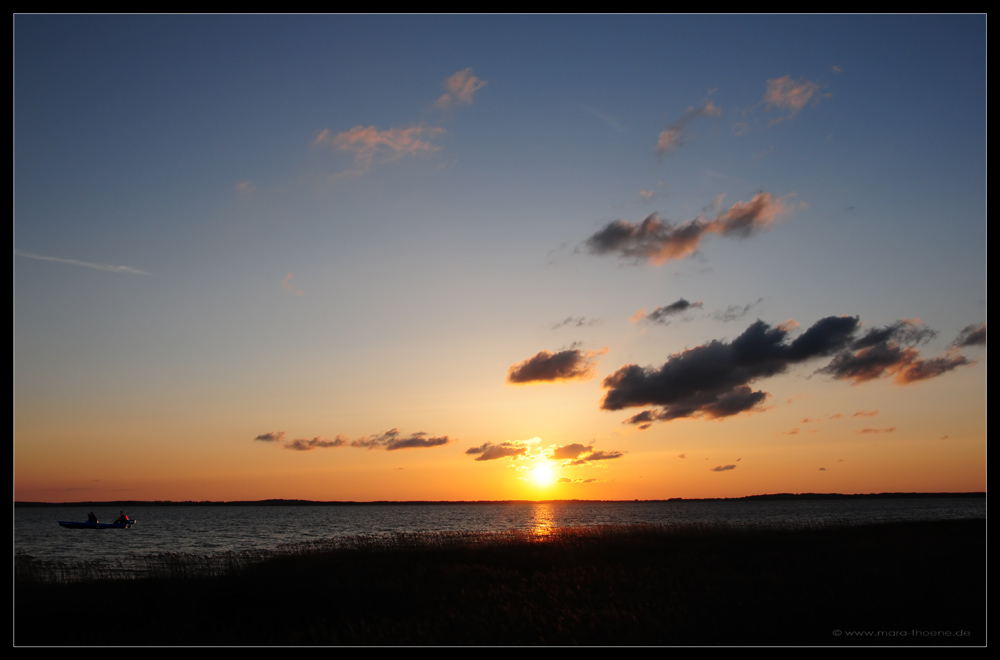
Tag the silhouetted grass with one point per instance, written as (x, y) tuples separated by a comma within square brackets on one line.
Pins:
[(610, 585)]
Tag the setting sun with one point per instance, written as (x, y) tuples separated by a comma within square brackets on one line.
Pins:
[(543, 474)]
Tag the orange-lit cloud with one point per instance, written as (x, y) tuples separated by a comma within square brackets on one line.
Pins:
[(657, 241), (245, 187), (271, 436), (674, 135), (791, 95), (287, 284), (371, 146), (546, 367), (513, 449), (460, 87)]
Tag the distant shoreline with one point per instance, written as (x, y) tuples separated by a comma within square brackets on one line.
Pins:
[(282, 502)]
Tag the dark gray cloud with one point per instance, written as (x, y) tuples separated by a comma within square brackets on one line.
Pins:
[(971, 335), (723, 468), (714, 380), (546, 367), (891, 350), (300, 444), (656, 241), (392, 440), (662, 315)]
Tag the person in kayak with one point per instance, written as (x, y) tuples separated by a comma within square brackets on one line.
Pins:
[(91, 517), (122, 518)]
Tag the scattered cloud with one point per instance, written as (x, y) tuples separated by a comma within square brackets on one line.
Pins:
[(576, 454), (84, 264), (866, 431), (371, 147), (735, 312), (675, 134), (891, 350), (714, 380), (287, 284), (791, 95), (245, 187), (514, 449), (460, 87), (723, 468), (546, 367), (315, 443), (661, 314), (392, 440), (656, 241), (865, 413), (576, 322), (971, 335)]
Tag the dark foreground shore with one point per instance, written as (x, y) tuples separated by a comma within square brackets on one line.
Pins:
[(901, 584)]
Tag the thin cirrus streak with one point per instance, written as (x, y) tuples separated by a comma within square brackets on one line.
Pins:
[(84, 264)]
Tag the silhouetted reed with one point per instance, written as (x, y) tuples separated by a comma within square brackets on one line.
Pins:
[(610, 584)]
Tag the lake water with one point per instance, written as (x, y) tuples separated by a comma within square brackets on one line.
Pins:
[(211, 530)]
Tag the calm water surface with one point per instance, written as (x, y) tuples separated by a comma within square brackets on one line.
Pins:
[(208, 530)]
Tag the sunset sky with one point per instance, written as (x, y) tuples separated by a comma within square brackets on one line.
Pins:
[(477, 258)]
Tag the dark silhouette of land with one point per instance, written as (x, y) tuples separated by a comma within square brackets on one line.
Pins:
[(897, 584)]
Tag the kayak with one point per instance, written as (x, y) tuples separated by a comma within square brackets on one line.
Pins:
[(90, 525)]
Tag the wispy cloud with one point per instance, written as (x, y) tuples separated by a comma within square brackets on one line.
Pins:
[(390, 441), (287, 284), (84, 264), (662, 315), (723, 468), (460, 87), (656, 241), (791, 95), (676, 133), (371, 147), (735, 312), (575, 322), (971, 335), (546, 367)]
